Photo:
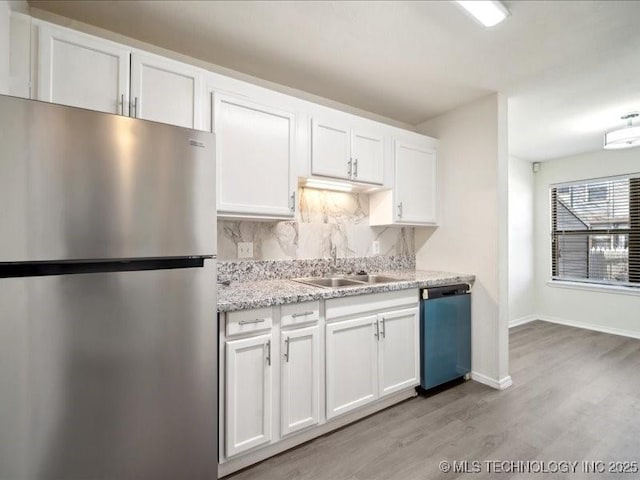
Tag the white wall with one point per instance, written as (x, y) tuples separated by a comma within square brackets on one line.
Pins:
[(599, 310), (4, 46), (521, 241), (473, 233)]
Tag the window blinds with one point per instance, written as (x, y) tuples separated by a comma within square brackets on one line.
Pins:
[(595, 231)]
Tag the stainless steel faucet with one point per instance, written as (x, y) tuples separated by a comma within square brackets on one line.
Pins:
[(334, 255)]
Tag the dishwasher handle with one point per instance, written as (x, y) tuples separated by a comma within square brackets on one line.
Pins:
[(448, 291)]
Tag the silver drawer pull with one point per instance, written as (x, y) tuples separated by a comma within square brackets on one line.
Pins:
[(269, 352), (303, 314), (247, 322), (286, 353)]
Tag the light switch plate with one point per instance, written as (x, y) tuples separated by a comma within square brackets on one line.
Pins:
[(245, 249), (375, 247)]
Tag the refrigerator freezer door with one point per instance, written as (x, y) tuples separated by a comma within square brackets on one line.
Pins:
[(109, 376), (77, 184)]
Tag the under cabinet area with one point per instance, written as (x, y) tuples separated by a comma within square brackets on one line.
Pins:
[(293, 372)]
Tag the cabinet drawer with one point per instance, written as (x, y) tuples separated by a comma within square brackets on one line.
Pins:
[(299, 313), (247, 321), (375, 302)]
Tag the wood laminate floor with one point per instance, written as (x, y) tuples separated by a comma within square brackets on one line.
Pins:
[(575, 397)]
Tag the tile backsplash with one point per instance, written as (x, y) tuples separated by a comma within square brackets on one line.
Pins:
[(325, 219)]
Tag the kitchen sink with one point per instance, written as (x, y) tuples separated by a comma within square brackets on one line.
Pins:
[(345, 281), (372, 278), (330, 282)]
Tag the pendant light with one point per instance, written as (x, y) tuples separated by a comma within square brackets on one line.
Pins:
[(626, 137)]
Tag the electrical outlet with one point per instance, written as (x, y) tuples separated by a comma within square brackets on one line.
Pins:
[(375, 247), (245, 249)]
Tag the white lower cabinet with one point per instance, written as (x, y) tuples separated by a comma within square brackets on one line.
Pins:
[(288, 371), (352, 365), (398, 360), (300, 379), (248, 392), (372, 356)]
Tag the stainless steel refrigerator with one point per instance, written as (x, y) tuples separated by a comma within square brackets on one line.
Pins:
[(108, 343)]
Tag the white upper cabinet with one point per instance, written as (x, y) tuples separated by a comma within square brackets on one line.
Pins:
[(339, 150), (255, 150), (330, 149), (82, 71), (166, 91), (415, 184), (367, 157), (414, 197), (88, 72)]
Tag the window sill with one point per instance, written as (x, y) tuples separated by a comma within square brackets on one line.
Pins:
[(594, 287)]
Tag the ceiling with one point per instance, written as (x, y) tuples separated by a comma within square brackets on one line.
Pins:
[(567, 66)]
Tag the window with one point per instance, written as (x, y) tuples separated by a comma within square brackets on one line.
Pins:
[(595, 231)]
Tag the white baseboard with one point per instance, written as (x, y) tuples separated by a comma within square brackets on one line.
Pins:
[(590, 326), (522, 320), (501, 384)]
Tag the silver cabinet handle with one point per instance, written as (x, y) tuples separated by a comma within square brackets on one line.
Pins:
[(303, 314), (383, 332), (350, 163), (247, 322), (269, 352), (377, 334), (135, 108), (400, 210), (286, 351), (293, 201), (122, 104), (355, 167)]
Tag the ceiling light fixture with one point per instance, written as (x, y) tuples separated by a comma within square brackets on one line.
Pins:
[(488, 13), (326, 185), (626, 137)]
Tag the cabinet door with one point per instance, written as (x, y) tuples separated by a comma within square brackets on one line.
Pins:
[(367, 152), (415, 184), (399, 354), (330, 149), (248, 393), (255, 158), (300, 381), (82, 71), (352, 364), (165, 91)]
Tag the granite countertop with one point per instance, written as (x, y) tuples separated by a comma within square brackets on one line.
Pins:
[(264, 293)]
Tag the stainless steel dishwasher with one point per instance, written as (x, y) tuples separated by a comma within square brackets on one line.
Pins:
[(445, 334)]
